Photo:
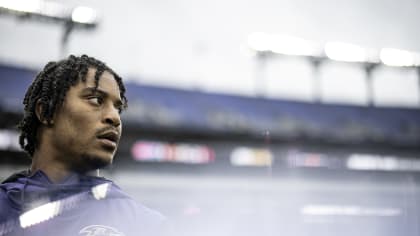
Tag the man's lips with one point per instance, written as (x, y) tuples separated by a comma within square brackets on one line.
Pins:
[(109, 137)]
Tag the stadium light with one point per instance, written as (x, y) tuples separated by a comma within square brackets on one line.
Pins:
[(290, 45), (52, 11), (283, 44), (264, 45), (338, 51), (84, 15), (48, 11), (259, 41), (346, 52), (397, 57), (25, 6)]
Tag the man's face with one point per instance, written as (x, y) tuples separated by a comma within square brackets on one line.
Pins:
[(87, 127)]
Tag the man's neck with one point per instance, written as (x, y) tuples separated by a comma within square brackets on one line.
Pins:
[(55, 170)]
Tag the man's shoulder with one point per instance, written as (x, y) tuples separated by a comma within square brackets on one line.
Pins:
[(125, 203), (9, 185), (152, 215), (122, 212), (4, 201), (15, 176), (8, 211)]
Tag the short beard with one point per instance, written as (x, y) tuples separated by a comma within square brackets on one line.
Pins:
[(91, 162)]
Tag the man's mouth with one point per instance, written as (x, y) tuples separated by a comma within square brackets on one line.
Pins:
[(109, 139)]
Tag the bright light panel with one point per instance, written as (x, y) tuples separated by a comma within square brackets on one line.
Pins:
[(54, 9), (80, 14), (345, 52), (290, 45), (29, 6), (397, 57), (259, 41), (83, 15), (282, 44)]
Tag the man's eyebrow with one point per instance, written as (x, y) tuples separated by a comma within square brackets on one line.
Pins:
[(93, 90)]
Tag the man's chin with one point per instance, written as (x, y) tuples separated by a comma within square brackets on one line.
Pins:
[(94, 162)]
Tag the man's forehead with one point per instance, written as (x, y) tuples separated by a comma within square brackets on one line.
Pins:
[(106, 79), (90, 75), (106, 83)]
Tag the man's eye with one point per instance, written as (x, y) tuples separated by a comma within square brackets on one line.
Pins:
[(95, 100)]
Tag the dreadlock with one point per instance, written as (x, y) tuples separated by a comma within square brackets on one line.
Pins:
[(50, 88)]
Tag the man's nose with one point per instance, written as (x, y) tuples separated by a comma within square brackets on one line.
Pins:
[(112, 116)]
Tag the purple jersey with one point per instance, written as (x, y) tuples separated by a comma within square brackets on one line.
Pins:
[(79, 205)]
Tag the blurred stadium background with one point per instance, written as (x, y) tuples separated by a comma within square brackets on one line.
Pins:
[(245, 117)]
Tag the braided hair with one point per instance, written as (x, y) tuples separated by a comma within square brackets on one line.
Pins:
[(50, 88)]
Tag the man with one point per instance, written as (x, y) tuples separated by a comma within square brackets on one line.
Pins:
[(71, 127)]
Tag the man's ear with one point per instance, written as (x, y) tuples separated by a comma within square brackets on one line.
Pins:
[(39, 108)]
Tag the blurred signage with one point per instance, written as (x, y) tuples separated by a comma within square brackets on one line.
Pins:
[(384, 163), (9, 140), (246, 156), (353, 161), (296, 158), (352, 210), (153, 151)]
